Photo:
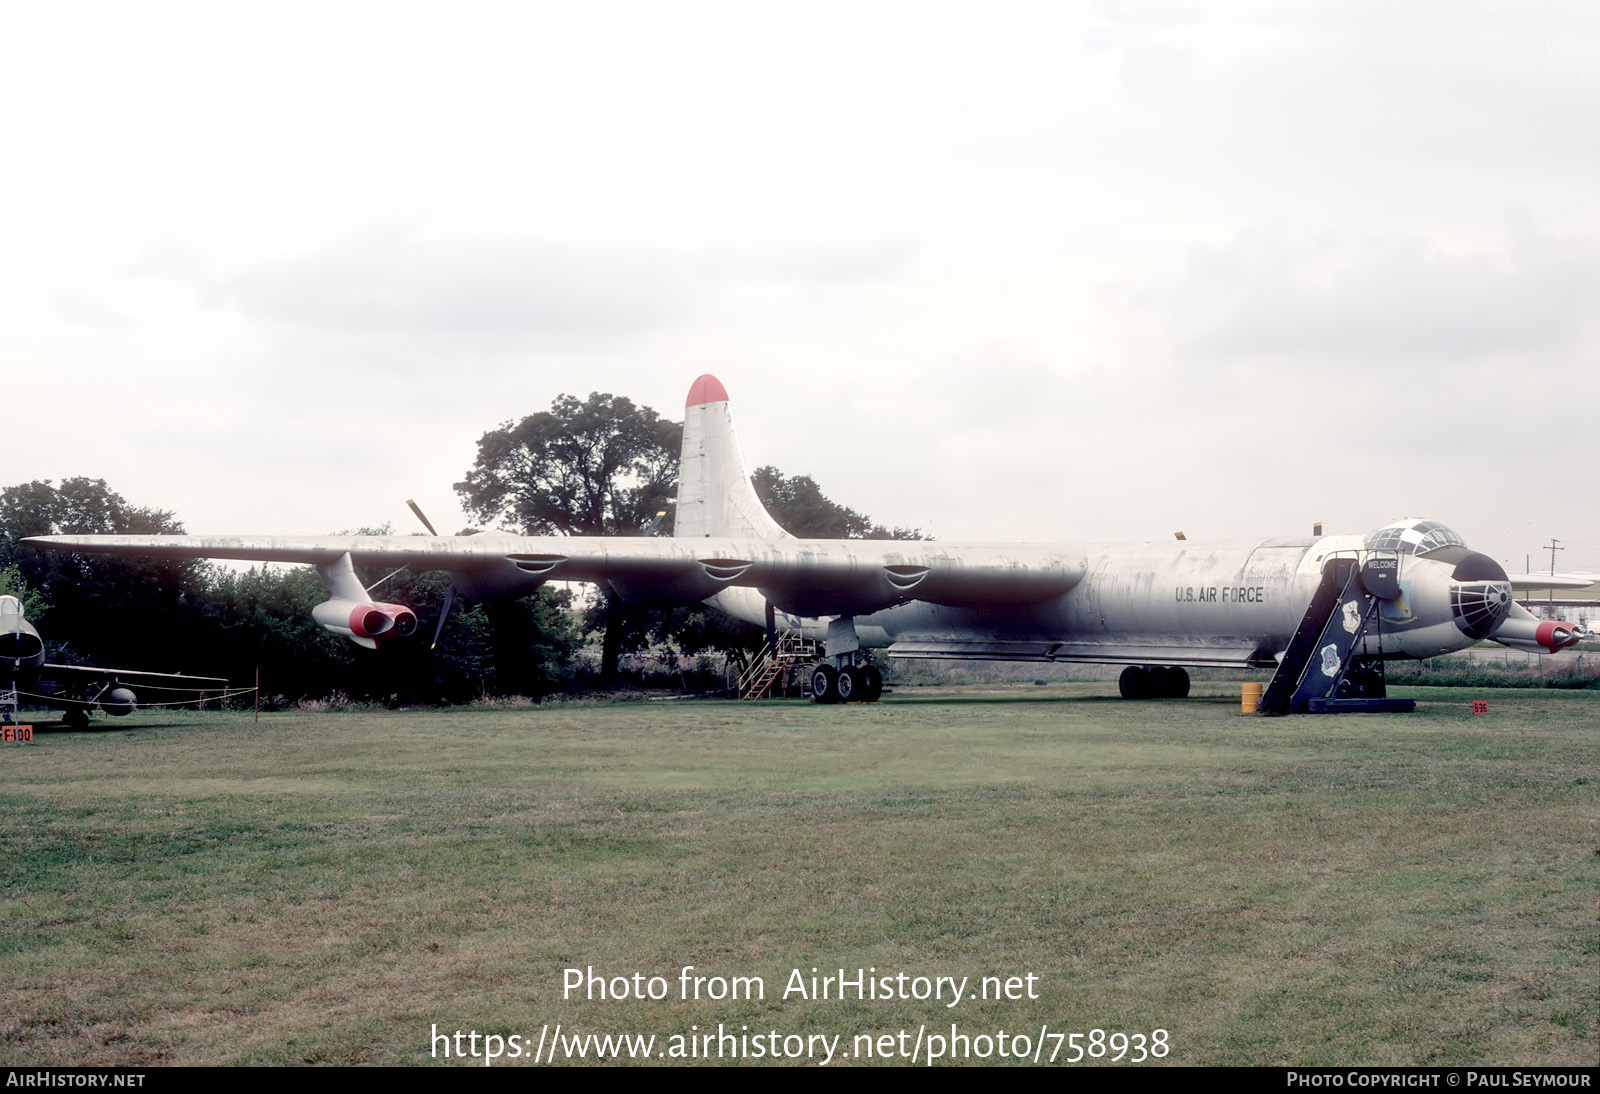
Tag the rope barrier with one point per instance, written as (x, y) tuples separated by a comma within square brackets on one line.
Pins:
[(114, 682), (56, 700)]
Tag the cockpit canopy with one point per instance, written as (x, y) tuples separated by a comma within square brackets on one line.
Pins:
[(1414, 536)]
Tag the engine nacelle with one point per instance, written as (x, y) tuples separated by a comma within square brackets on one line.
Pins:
[(1539, 636), (350, 613), (365, 622), (405, 620)]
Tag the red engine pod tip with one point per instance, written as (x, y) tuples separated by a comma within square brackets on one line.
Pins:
[(367, 621), (1556, 635), (402, 617), (706, 389)]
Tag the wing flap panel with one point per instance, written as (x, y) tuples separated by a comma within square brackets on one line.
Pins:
[(1079, 653)]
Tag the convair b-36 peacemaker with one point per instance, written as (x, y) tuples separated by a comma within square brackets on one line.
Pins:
[(1326, 612)]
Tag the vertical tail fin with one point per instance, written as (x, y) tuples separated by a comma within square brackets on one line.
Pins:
[(715, 497)]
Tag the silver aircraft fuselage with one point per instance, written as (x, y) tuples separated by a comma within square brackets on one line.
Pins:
[(1163, 602)]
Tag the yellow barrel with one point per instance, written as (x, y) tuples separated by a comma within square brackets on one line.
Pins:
[(1249, 696)]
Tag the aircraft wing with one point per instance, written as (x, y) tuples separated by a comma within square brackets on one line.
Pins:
[(78, 689), (804, 577), (423, 552), (133, 678), (1528, 582)]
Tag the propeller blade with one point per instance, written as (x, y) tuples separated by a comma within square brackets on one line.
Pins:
[(444, 612), (426, 523), (450, 593)]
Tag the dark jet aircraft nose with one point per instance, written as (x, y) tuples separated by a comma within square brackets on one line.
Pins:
[(1480, 595), (20, 644), (1478, 567), (21, 649)]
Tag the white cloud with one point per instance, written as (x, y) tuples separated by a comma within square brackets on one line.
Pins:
[(1382, 301), (1025, 270)]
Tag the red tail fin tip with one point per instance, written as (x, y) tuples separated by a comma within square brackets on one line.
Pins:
[(706, 389)]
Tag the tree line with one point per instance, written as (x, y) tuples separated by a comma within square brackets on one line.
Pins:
[(600, 466)]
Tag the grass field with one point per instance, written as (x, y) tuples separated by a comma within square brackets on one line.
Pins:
[(326, 888)]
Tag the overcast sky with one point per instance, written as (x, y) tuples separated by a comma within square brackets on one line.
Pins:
[(1002, 271)]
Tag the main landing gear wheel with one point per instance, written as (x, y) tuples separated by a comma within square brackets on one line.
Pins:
[(825, 684), (76, 717), (855, 684), (851, 687), (871, 683), (1177, 683), (1153, 682), (1132, 683)]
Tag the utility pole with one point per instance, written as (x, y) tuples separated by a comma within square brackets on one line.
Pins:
[(1553, 549)]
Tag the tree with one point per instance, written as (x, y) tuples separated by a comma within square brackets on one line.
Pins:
[(261, 618), (117, 611), (181, 614), (260, 622), (704, 629), (12, 583), (799, 506), (600, 467)]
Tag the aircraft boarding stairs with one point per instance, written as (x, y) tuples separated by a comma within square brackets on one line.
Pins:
[(789, 651), (1318, 672)]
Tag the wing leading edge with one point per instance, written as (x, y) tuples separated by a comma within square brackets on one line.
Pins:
[(173, 681), (802, 577)]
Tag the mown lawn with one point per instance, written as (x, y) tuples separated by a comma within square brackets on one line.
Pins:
[(1373, 889)]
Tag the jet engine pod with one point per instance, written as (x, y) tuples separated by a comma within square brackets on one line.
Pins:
[(118, 702), (404, 620), (1556, 635), (365, 622), (1539, 636), (351, 618)]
